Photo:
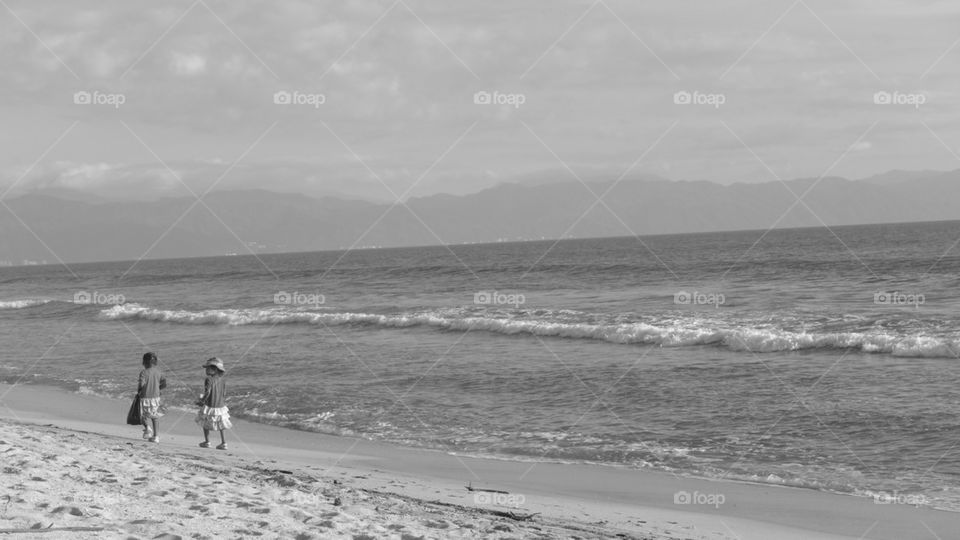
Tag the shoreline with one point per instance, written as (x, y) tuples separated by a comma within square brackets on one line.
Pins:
[(499, 457), (604, 500)]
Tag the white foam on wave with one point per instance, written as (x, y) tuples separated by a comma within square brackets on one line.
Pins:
[(20, 304), (670, 334)]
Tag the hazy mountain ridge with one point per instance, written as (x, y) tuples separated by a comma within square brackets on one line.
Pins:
[(261, 221)]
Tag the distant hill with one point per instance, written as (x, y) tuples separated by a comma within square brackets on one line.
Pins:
[(80, 230), (898, 176)]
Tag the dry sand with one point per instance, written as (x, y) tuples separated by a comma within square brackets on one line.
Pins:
[(69, 468)]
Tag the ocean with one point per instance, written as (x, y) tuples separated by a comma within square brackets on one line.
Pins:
[(817, 358)]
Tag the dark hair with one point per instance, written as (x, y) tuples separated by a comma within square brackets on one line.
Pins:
[(150, 360)]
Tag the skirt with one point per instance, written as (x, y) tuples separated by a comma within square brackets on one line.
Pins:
[(214, 418), (152, 408)]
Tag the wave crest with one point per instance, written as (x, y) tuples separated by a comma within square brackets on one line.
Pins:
[(668, 334), (20, 304)]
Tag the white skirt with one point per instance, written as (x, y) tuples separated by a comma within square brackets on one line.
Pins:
[(151, 408), (214, 418)]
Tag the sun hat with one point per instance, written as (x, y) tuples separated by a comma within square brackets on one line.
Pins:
[(215, 362)]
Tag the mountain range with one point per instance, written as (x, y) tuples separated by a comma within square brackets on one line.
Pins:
[(37, 225)]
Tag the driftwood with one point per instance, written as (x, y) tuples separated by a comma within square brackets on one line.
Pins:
[(512, 515), (499, 513), (471, 488)]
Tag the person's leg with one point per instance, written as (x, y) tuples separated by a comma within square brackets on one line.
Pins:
[(223, 441), (206, 438), (156, 427)]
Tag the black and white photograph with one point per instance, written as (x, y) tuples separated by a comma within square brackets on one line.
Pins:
[(536, 269)]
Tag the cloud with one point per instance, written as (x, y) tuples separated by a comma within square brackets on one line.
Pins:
[(398, 86), (189, 64)]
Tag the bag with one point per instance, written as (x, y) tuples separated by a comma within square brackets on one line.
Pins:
[(134, 416)]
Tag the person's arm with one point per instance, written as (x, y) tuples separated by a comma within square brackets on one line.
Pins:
[(202, 400), (140, 383)]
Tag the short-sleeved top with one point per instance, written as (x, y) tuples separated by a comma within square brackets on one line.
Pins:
[(149, 385), (214, 392)]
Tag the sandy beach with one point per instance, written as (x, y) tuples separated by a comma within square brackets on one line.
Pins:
[(568, 269), (71, 468)]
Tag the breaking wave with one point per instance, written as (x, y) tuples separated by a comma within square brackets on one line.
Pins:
[(666, 333), (20, 304)]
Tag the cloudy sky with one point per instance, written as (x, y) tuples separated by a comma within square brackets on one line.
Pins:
[(389, 98)]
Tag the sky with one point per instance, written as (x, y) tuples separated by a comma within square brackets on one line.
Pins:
[(391, 99)]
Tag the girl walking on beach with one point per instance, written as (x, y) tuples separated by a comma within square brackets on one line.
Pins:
[(149, 386), (214, 414)]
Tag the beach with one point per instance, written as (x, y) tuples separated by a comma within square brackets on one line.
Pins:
[(577, 270), (70, 465)]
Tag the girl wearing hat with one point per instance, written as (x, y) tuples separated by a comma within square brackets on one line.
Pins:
[(213, 414)]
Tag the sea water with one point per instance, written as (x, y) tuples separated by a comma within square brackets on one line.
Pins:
[(819, 358)]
